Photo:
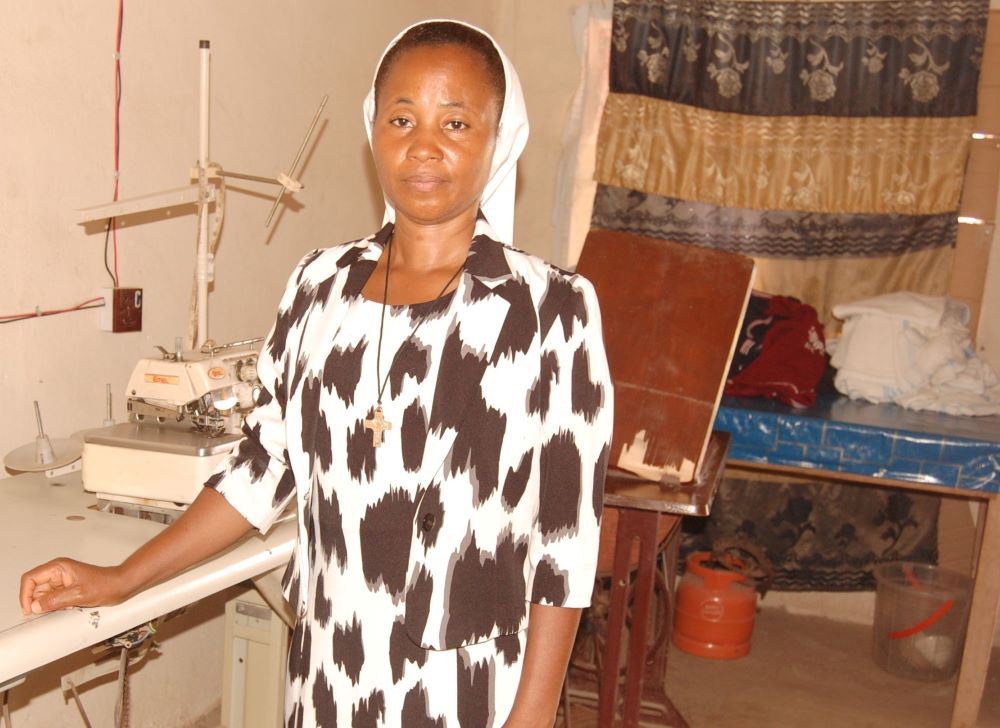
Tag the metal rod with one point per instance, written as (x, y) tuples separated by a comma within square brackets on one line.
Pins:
[(202, 275), (251, 177), (963, 220), (298, 156), (983, 135), (312, 126), (79, 705), (38, 419), (233, 344)]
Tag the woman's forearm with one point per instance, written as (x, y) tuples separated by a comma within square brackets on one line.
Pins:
[(551, 631), (209, 525)]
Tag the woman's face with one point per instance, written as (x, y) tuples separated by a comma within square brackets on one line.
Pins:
[(434, 133)]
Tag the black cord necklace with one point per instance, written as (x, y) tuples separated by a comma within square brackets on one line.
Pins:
[(378, 424)]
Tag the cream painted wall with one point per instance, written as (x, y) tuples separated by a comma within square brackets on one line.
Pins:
[(271, 63), (988, 334), (539, 39)]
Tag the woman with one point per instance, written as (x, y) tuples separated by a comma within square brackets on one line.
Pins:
[(438, 405)]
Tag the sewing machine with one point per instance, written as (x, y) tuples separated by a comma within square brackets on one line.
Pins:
[(186, 411)]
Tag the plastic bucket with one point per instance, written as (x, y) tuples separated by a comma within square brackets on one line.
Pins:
[(920, 618)]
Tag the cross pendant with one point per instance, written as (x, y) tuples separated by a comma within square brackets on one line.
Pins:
[(378, 424)]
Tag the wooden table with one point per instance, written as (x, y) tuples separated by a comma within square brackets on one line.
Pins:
[(887, 446), (647, 517)]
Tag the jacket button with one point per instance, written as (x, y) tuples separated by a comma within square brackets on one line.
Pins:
[(428, 521)]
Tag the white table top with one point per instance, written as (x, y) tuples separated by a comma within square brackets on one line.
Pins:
[(35, 526)]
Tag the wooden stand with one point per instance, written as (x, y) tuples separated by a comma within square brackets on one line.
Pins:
[(640, 591), (671, 314)]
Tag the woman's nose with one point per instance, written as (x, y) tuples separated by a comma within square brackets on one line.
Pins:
[(424, 144)]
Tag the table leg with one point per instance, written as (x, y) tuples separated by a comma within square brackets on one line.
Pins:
[(977, 536), (633, 525), (608, 693), (644, 525), (982, 622)]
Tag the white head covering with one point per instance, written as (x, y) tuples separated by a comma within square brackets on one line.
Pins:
[(497, 203)]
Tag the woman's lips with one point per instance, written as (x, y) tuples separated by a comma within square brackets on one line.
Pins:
[(424, 182)]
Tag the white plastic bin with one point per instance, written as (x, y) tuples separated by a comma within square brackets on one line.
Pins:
[(920, 618)]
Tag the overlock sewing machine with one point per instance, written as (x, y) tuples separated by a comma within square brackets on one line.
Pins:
[(186, 412)]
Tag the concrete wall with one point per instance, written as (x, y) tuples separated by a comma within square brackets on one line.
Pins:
[(271, 63)]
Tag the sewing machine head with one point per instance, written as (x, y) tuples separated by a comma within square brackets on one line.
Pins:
[(209, 390), (186, 412)]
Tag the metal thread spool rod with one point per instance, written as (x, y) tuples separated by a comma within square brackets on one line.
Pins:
[(38, 419), (44, 454), (108, 418), (295, 162)]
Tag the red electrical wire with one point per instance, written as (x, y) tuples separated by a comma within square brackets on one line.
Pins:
[(118, 103), (52, 311)]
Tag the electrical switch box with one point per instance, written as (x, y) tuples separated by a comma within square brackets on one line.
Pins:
[(122, 310)]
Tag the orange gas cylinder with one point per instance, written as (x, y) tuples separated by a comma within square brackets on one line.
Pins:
[(714, 610)]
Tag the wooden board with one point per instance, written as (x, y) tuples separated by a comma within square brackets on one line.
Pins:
[(671, 314)]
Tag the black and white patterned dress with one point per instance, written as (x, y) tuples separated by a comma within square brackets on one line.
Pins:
[(416, 560)]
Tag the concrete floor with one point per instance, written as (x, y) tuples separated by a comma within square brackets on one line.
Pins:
[(808, 672), (802, 672)]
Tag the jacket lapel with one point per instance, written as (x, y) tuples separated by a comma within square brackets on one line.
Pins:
[(468, 352), (476, 325), (347, 273)]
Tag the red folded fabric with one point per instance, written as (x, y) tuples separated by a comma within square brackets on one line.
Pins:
[(781, 353)]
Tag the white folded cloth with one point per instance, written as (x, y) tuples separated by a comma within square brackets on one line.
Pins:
[(913, 350)]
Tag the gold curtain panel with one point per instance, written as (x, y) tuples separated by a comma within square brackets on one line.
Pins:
[(909, 166)]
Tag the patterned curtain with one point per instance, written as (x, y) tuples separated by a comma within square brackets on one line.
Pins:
[(820, 535), (827, 140)]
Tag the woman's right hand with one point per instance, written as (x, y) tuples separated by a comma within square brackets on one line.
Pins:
[(64, 583), (209, 525)]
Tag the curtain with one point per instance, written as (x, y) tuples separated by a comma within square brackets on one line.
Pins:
[(827, 140), (821, 535)]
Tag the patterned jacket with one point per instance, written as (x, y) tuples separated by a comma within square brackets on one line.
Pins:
[(509, 458)]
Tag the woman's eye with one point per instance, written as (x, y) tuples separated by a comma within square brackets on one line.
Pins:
[(456, 125), (400, 122)]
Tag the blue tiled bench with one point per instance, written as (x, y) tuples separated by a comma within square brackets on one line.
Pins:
[(872, 440)]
